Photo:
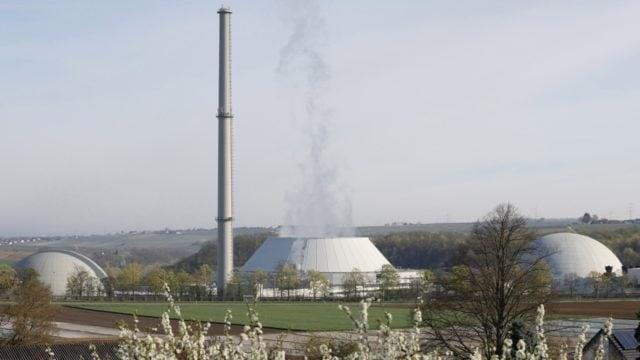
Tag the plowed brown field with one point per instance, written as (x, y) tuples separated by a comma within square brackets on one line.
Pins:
[(618, 309)]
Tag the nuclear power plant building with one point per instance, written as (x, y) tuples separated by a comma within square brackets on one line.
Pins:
[(54, 267), (334, 257), (576, 255)]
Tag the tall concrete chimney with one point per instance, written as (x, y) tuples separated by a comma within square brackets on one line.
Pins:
[(225, 210)]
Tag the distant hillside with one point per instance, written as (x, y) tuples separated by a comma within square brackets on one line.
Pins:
[(163, 247), (542, 225), (415, 249), (405, 245), (420, 249), (190, 240), (244, 246), (407, 248), (168, 239)]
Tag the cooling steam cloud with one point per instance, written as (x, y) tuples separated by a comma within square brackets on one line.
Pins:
[(320, 206)]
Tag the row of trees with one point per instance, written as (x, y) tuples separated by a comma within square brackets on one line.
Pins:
[(244, 245), (421, 249), (288, 282), (133, 280), (82, 284), (606, 284), (408, 250)]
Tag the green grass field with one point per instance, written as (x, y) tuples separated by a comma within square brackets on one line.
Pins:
[(292, 316)]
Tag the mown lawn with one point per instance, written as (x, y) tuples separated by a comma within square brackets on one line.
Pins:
[(292, 316)]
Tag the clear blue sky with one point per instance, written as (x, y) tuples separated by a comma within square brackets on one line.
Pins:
[(440, 110)]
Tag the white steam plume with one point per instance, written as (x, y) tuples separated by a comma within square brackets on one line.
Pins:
[(320, 206)]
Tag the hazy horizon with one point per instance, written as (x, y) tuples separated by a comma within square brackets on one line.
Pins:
[(439, 111)]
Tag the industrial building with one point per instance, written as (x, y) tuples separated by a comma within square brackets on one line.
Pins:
[(571, 254), (334, 257), (55, 266)]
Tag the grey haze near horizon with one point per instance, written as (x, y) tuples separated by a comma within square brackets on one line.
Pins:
[(440, 111)]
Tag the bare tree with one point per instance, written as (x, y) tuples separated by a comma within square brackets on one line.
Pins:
[(351, 281), (571, 282), (595, 280), (623, 282), (503, 280), (80, 283)]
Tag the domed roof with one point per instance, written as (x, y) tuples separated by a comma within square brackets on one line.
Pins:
[(55, 266), (327, 255), (575, 253)]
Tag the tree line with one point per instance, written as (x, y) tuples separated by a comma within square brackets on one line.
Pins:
[(288, 283), (134, 281), (418, 249), (244, 245), (408, 250)]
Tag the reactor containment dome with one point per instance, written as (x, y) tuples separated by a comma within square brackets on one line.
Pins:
[(55, 266), (334, 257), (576, 254)]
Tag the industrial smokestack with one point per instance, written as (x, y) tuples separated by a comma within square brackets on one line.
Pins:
[(225, 210)]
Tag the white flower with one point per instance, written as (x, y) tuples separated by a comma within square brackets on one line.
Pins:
[(582, 340)]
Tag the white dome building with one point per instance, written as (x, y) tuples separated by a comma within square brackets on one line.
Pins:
[(334, 257), (577, 254), (55, 266)]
